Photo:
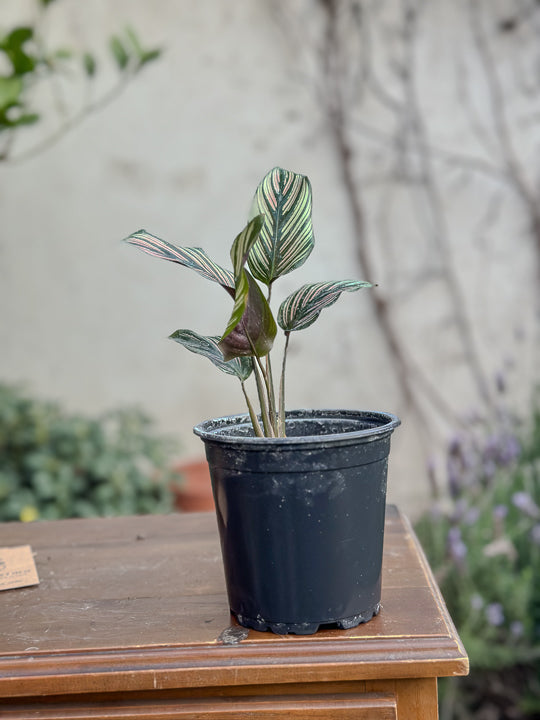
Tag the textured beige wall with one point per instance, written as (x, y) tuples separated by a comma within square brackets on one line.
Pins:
[(85, 319)]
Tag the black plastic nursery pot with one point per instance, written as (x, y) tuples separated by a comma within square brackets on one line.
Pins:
[(301, 518)]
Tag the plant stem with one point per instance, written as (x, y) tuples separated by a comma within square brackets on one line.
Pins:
[(270, 402), (281, 418), (261, 388), (269, 379), (271, 396), (253, 416)]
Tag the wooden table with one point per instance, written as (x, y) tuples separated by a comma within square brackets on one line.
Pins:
[(130, 620)]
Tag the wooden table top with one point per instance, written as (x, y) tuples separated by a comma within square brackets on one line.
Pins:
[(140, 602)]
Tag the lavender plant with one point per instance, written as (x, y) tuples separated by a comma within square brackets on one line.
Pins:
[(277, 239), (483, 541)]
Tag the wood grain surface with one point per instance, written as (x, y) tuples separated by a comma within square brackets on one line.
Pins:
[(138, 605)]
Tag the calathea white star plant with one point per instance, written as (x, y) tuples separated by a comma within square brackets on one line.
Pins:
[(277, 239)]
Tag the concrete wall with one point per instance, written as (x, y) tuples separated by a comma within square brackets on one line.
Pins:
[(85, 319)]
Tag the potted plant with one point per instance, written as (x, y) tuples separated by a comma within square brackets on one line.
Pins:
[(300, 495)]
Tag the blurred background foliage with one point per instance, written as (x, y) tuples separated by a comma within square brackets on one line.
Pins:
[(482, 540), (54, 464), (26, 63)]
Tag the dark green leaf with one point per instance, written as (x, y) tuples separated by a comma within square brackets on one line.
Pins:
[(89, 63), (191, 257), (13, 46), (244, 241), (25, 119), (143, 56), (255, 333), (239, 252), (303, 307), (286, 239), (149, 56), (18, 37), (119, 52), (241, 367), (251, 328)]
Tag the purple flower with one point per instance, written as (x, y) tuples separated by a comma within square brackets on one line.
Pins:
[(516, 628), (500, 512), (459, 510), (456, 546), (501, 449), (471, 516), (455, 483), (477, 602), (524, 502), (495, 614), (535, 534), (489, 469), (510, 450)]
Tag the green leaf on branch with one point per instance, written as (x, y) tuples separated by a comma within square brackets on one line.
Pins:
[(149, 56), (119, 52), (286, 239), (89, 63), (190, 257), (134, 40), (10, 91), (13, 47), (207, 346), (303, 307), (24, 119)]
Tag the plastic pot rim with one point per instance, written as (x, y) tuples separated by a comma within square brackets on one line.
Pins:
[(218, 430)]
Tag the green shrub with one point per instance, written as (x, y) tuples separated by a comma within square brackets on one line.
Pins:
[(484, 547), (57, 465)]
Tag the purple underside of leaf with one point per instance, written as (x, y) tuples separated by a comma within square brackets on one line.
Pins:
[(255, 333)]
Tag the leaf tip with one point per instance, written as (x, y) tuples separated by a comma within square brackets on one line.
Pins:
[(133, 236)]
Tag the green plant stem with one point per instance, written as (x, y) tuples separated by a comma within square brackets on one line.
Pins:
[(261, 390), (271, 396), (269, 379), (281, 418), (270, 399), (252, 414)]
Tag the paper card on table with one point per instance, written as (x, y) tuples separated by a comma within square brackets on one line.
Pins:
[(17, 567)]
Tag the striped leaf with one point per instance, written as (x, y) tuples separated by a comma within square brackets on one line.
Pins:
[(286, 239), (191, 257), (303, 307), (208, 347)]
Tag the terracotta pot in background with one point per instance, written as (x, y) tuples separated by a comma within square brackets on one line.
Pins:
[(194, 490)]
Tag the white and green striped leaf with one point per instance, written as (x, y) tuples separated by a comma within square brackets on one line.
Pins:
[(286, 239), (191, 257), (303, 307), (208, 347)]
